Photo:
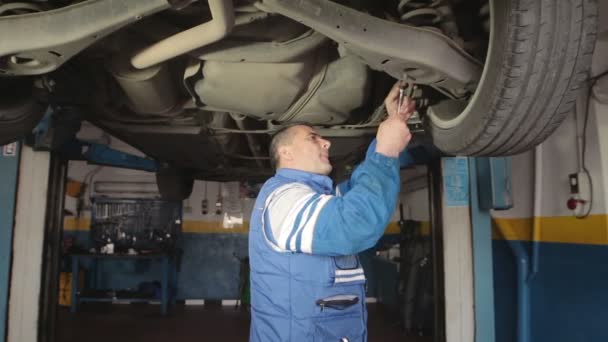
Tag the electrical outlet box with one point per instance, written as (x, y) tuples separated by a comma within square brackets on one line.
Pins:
[(580, 191)]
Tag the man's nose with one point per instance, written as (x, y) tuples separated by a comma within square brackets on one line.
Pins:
[(325, 144)]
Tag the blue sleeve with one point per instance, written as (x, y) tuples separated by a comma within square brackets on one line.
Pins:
[(355, 221), (405, 160)]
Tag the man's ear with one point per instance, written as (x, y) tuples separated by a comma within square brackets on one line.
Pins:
[(285, 153)]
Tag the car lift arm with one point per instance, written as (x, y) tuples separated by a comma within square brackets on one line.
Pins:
[(100, 154)]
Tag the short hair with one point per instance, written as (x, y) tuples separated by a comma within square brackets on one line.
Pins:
[(280, 138)]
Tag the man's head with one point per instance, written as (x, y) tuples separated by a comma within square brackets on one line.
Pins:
[(300, 147)]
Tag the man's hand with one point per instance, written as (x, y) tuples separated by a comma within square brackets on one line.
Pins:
[(393, 134)]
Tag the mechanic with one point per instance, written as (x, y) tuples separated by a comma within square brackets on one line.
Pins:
[(306, 280)]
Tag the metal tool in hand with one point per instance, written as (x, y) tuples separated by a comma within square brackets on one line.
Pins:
[(401, 96), (407, 89)]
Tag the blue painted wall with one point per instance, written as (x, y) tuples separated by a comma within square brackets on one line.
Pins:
[(505, 294), (569, 295), (209, 268)]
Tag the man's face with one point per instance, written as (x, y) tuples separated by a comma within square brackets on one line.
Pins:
[(307, 151)]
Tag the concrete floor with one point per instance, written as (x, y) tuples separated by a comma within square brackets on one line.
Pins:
[(133, 323)]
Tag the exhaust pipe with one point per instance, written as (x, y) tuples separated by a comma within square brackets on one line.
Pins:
[(222, 12)]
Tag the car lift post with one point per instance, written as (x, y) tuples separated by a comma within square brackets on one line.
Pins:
[(26, 187), (470, 188), (9, 169)]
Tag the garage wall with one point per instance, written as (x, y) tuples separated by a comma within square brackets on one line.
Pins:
[(568, 277)]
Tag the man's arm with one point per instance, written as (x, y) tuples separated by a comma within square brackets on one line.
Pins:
[(300, 220), (357, 220), (405, 160)]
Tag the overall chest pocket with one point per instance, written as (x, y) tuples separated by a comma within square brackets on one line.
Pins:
[(342, 320)]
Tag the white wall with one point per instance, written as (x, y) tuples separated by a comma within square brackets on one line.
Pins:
[(414, 195)]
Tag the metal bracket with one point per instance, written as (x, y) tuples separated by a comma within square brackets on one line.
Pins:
[(495, 183), (57, 127)]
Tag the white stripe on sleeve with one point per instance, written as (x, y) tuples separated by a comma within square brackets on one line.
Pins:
[(305, 214), (287, 226), (309, 227)]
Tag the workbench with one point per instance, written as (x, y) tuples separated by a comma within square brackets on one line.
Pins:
[(168, 278)]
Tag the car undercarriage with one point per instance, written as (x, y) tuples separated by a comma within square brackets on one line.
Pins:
[(201, 85)]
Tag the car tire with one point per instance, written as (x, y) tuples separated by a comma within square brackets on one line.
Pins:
[(174, 184), (537, 63), (19, 111)]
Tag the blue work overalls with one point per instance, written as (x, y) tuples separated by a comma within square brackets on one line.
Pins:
[(306, 281)]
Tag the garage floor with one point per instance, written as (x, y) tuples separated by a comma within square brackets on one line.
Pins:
[(132, 323)]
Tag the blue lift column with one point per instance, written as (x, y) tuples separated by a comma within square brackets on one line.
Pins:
[(9, 170), (471, 187)]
